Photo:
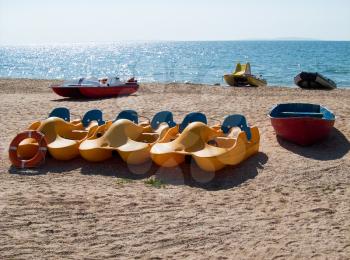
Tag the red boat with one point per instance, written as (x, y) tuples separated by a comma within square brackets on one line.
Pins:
[(303, 124), (96, 88), (64, 91)]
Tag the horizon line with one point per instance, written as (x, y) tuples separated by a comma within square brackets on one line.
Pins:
[(280, 39)]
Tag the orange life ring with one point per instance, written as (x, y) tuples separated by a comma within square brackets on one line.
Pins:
[(37, 159)]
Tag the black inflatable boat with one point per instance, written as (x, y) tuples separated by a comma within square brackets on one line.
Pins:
[(309, 80)]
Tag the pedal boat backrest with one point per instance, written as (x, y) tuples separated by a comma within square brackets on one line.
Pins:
[(61, 112), (190, 118), (163, 117), (236, 121), (128, 114), (242, 69), (91, 116)]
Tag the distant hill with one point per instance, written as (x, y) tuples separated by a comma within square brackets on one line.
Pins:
[(284, 39), (295, 39)]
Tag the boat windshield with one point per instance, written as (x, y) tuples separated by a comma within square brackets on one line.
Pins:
[(73, 82), (114, 81), (92, 81)]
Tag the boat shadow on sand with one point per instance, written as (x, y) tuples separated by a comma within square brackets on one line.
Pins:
[(231, 176), (68, 99), (185, 174), (334, 147)]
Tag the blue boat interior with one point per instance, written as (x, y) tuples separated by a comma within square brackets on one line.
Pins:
[(128, 114), (192, 117), (289, 110), (236, 121), (163, 117), (93, 115), (61, 112)]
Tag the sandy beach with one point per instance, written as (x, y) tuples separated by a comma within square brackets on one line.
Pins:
[(286, 202)]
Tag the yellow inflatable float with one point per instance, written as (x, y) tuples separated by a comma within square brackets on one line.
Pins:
[(212, 148)]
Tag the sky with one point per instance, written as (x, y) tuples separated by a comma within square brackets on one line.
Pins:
[(80, 21)]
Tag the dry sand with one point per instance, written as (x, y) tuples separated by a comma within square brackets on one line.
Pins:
[(285, 202)]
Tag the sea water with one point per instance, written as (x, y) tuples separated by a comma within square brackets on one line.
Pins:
[(197, 62)]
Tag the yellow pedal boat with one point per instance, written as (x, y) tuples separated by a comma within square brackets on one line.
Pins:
[(242, 76), (62, 135), (132, 142), (212, 148), (63, 138)]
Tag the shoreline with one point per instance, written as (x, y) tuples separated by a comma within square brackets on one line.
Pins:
[(172, 83), (285, 201)]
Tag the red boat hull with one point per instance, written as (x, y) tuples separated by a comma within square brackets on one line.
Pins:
[(302, 131), (100, 92), (66, 91), (95, 92)]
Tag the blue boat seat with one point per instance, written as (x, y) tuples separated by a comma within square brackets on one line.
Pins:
[(163, 117), (302, 114), (192, 117), (288, 110), (236, 121), (128, 114), (92, 115), (61, 112)]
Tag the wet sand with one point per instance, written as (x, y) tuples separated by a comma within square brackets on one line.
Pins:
[(285, 202)]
